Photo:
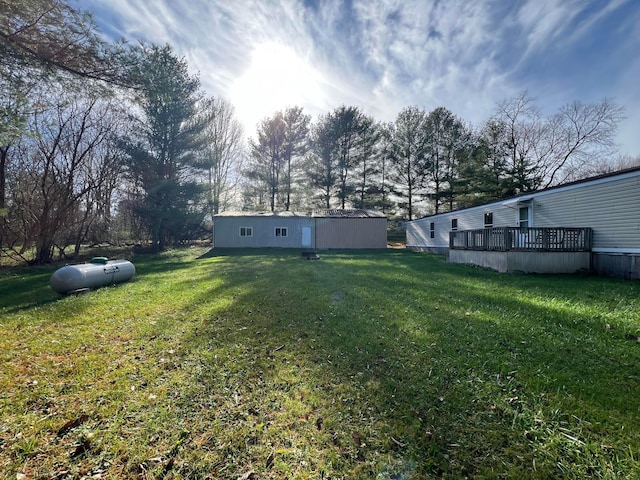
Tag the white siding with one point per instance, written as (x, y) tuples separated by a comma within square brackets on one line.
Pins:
[(418, 234), (610, 206), (612, 209)]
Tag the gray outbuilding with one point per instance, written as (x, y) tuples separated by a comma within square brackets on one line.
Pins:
[(319, 230)]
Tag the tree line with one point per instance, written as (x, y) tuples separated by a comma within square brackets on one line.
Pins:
[(118, 143)]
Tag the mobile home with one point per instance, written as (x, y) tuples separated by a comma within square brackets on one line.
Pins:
[(588, 224)]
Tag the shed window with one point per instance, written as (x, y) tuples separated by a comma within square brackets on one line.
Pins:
[(454, 224), (246, 231), (432, 230), (281, 232), (488, 220)]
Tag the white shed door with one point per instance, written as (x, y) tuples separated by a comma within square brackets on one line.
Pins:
[(306, 236)]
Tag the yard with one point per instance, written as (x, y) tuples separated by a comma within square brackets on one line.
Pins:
[(367, 364)]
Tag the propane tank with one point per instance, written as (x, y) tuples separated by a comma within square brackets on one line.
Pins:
[(97, 273)]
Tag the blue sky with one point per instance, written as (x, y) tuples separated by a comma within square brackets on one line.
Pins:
[(383, 55)]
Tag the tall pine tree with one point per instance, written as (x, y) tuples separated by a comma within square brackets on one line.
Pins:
[(161, 158)]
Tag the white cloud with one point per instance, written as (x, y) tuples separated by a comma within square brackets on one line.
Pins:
[(584, 27), (629, 98), (433, 54), (543, 21), (380, 55)]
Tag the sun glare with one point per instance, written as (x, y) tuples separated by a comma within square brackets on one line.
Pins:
[(276, 78)]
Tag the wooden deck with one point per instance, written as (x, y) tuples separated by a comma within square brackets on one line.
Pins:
[(504, 239)]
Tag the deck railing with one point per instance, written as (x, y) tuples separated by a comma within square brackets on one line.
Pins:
[(559, 239)]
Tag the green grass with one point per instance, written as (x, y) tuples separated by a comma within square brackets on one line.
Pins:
[(381, 365)]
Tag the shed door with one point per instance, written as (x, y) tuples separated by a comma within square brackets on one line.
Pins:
[(306, 236)]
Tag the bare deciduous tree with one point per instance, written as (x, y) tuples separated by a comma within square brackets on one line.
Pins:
[(543, 152), (577, 136), (222, 153), (61, 174)]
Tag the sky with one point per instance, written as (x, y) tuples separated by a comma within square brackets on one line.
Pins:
[(384, 55)]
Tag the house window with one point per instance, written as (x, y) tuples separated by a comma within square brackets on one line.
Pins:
[(246, 231), (454, 224), (488, 220), (523, 217), (432, 230), (281, 232)]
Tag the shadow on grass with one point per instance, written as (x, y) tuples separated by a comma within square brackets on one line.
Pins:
[(390, 364), (23, 288), (445, 365)]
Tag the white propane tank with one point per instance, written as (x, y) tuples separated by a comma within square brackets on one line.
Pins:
[(99, 272)]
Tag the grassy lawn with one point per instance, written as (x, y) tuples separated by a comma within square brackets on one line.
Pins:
[(373, 365)]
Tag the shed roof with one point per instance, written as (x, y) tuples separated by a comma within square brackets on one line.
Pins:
[(251, 213), (339, 213), (334, 213)]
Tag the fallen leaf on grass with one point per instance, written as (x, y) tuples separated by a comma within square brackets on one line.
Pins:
[(270, 458), (398, 443), (429, 431), (62, 474), (169, 465), (81, 448), (253, 411), (357, 439), (71, 424)]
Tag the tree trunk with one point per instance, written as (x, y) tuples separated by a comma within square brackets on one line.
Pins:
[(273, 200), (288, 204), (155, 237), (44, 251), (4, 154), (409, 197)]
